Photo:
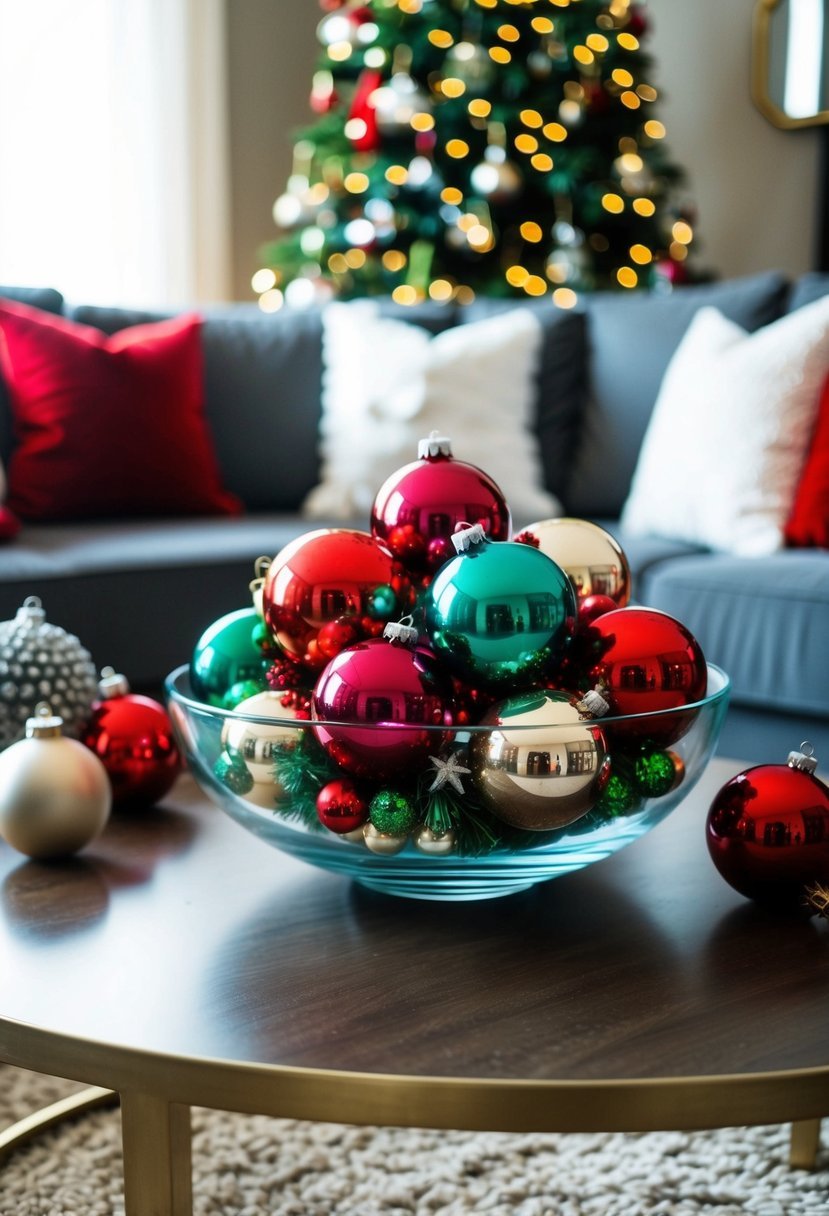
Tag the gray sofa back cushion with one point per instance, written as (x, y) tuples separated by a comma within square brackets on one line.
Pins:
[(36, 297), (807, 289), (631, 339), (559, 382)]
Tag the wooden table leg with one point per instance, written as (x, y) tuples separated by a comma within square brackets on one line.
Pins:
[(157, 1162), (804, 1144)]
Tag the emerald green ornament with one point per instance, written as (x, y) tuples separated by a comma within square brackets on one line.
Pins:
[(499, 612), (233, 773), (240, 691), (392, 812), (656, 773), (618, 798), (382, 603), (227, 654)]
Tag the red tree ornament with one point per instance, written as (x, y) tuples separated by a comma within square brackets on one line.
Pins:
[(768, 830), (340, 807), (133, 737), (363, 113), (418, 507)]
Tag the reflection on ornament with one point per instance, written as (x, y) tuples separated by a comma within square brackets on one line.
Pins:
[(768, 830), (541, 766), (497, 613), (39, 660), (419, 507), (55, 794), (592, 558), (258, 745)]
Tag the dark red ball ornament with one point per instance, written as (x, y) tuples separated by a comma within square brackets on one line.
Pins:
[(649, 663), (133, 737), (768, 830), (373, 701), (418, 508), (325, 577), (340, 807)]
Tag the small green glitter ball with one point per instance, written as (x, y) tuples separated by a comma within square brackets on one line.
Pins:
[(233, 773), (654, 774), (392, 813), (617, 798)]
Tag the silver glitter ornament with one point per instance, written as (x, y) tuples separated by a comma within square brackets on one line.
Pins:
[(42, 662)]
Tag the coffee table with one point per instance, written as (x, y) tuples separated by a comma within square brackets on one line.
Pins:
[(181, 962)]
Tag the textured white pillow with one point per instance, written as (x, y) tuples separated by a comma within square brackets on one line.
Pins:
[(729, 433), (387, 384)]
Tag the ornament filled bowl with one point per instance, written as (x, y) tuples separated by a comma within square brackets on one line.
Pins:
[(505, 795)]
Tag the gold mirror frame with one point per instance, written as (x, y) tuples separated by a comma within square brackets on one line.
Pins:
[(761, 32)]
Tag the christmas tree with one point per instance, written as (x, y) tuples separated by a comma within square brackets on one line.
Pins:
[(463, 147)]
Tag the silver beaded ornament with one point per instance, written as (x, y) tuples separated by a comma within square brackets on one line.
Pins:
[(42, 662)]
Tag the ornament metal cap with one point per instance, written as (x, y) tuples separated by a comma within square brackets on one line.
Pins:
[(804, 759), (401, 631), (44, 724), (464, 538), (112, 684), (435, 445), (594, 703), (31, 611)]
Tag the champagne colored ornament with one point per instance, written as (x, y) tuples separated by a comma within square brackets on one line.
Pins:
[(227, 654), (39, 661), (383, 843), (259, 744), (373, 702), (768, 830), (498, 613), (321, 577), (650, 663), (435, 844), (496, 178), (419, 507), (132, 736), (592, 558), (341, 808), (541, 765), (55, 794)]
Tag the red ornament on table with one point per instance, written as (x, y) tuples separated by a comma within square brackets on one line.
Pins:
[(324, 576), (768, 830), (133, 737), (373, 700), (649, 662), (420, 506)]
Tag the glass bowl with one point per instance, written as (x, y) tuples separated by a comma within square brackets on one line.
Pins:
[(244, 761)]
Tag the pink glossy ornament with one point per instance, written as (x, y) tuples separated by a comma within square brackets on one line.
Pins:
[(649, 662), (133, 738), (768, 830), (372, 703), (322, 577), (425, 501)]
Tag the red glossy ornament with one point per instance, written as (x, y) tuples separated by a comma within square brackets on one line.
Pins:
[(324, 576), (335, 636), (133, 737), (768, 831), (368, 140), (371, 704), (340, 807), (650, 662), (591, 608), (427, 500)]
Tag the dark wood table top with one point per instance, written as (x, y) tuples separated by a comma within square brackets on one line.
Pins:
[(179, 933)]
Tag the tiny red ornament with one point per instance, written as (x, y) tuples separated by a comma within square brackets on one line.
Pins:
[(340, 806), (591, 608), (649, 662), (133, 737), (322, 577), (362, 111), (768, 830), (420, 506), (373, 701)]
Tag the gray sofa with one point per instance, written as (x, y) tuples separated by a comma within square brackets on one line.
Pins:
[(139, 592)]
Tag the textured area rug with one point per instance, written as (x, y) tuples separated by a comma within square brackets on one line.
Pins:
[(254, 1166)]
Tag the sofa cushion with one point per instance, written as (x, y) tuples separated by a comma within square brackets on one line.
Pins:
[(808, 522), (631, 338), (47, 299), (807, 288), (559, 389), (107, 427), (765, 620)]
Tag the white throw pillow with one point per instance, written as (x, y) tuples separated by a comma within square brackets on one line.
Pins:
[(729, 433), (388, 384)]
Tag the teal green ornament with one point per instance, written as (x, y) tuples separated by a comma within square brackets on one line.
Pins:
[(498, 613), (231, 770), (382, 603), (227, 654)]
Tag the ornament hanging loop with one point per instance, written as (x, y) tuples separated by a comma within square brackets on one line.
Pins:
[(31, 611), (804, 759), (466, 537), (402, 631), (435, 445), (44, 724)]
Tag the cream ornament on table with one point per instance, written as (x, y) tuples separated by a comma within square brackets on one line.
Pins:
[(55, 794)]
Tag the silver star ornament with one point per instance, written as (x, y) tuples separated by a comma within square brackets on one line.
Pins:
[(448, 772)]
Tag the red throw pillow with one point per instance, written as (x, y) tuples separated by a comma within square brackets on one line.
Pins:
[(107, 426), (808, 523)]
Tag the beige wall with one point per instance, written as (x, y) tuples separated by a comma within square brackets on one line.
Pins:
[(754, 186)]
